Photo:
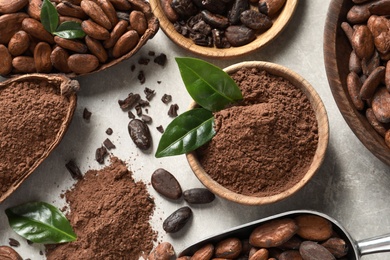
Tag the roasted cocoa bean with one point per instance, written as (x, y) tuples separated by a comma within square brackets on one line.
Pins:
[(198, 196), (313, 227), (34, 9), (205, 252), (270, 7), (71, 45), (369, 65), (19, 43), (69, 19), (363, 41), (166, 184), (358, 14), (119, 29), (372, 82), (23, 64), (213, 6), (292, 244), (96, 48), (168, 10), (313, 251), (8, 253), (59, 58), (336, 246), (381, 105), (238, 7), (125, 43), (12, 6), (36, 29), (228, 248), (255, 20), (177, 220), (109, 10), (140, 134), (184, 8), (42, 59), (138, 22), (69, 9), (215, 20), (290, 255), (354, 85), (378, 126), (9, 25), (261, 254), (239, 35), (94, 30), (380, 7), (5, 61), (163, 251), (96, 13), (121, 5), (354, 63), (82, 63)]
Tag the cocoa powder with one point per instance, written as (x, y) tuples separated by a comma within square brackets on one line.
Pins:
[(265, 143), (31, 115), (110, 214)]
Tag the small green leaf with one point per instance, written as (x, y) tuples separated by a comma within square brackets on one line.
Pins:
[(186, 133), (208, 85), (69, 30), (49, 16), (40, 222)]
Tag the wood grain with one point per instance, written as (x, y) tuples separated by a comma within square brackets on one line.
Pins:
[(323, 134), (336, 52), (262, 40)]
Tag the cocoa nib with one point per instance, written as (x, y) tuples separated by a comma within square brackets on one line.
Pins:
[(100, 154), (172, 112), (86, 114), (74, 170), (161, 59), (166, 98), (130, 101), (108, 144)]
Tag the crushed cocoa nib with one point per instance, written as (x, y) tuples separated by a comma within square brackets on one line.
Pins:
[(160, 128), (132, 68), (143, 103), (143, 61), (151, 53), (138, 110), (147, 119), (149, 93), (74, 170), (131, 115), (108, 144), (109, 131), (141, 76), (86, 114), (166, 98), (130, 101), (172, 112), (13, 242), (100, 154), (161, 59)]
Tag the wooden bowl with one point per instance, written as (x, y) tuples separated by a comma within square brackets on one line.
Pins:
[(28, 159), (336, 52), (323, 138), (261, 40)]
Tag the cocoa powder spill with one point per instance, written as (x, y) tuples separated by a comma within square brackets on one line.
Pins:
[(31, 114), (110, 214), (265, 144)]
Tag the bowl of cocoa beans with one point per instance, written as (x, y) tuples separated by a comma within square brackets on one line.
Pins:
[(268, 145), (356, 55), (74, 37), (223, 28)]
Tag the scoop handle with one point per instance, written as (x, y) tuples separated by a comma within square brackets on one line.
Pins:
[(374, 245)]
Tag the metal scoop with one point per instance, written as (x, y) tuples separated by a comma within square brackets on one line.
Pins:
[(356, 248)]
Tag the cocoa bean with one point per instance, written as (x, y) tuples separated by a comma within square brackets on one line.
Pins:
[(378, 126), (381, 7), (336, 246), (313, 251), (313, 227), (166, 184), (5, 61), (8, 253), (353, 86), (358, 14), (369, 65), (381, 105), (168, 11), (119, 29), (138, 22), (177, 220), (69, 18), (290, 255), (125, 43), (293, 243), (71, 45), (140, 134), (354, 63), (261, 254), (239, 35), (271, 7), (121, 5), (12, 6), (23, 64), (82, 63), (228, 248), (198, 196), (255, 20), (238, 7), (273, 233), (34, 9), (19, 43), (387, 76), (387, 138), (163, 251), (96, 13), (36, 29), (215, 20), (214, 6), (380, 27), (348, 30), (372, 82), (9, 25), (363, 41), (94, 30), (205, 252), (59, 58), (96, 48), (184, 8), (109, 10), (69, 9), (42, 59)]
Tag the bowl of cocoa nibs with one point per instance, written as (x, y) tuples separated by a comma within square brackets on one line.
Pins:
[(356, 55), (225, 28), (255, 134), (71, 37)]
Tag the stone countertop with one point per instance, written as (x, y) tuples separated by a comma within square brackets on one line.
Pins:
[(352, 185)]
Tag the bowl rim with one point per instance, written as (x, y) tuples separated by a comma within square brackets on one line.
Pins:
[(354, 119), (279, 23), (323, 138)]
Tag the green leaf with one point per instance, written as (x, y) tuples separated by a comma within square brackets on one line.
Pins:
[(49, 16), (69, 30), (40, 222), (208, 85), (186, 133)]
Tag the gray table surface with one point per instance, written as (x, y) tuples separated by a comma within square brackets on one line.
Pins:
[(351, 186)]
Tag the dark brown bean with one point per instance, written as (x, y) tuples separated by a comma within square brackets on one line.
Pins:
[(313, 251), (372, 82), (215, 20), (238, 7), (166, 184), (177, 220), (214, 6), (198, 196), (255, 20), (239, 35), (140, 134)]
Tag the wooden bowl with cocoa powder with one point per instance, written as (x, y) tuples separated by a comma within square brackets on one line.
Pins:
[(270, 144), (357, 112), (262, 37), (35, 113)]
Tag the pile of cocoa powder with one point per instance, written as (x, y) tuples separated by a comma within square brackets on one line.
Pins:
[(110, 214), (265, 144), (31, 114)]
